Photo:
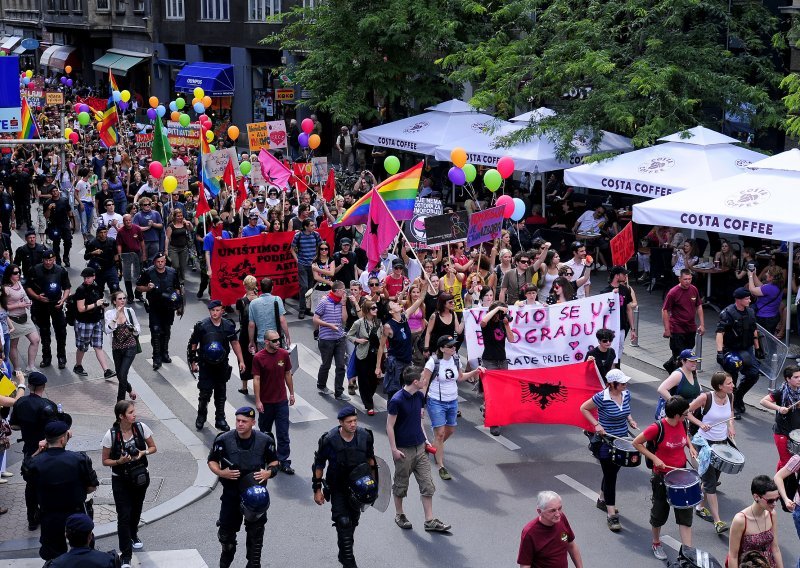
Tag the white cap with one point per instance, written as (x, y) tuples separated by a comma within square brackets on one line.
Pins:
[(617, 376)]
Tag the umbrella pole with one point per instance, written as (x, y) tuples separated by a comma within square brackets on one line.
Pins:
[(789, 293)]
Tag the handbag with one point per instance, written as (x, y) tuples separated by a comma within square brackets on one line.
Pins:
[(138, 475), (135, 335)]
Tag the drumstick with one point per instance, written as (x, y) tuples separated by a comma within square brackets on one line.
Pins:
[(616, 437), (718, 422)]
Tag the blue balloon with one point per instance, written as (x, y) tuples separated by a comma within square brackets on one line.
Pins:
[(161, 111), (199, 108), (519, 209), (116, 96), (25, 81), (173, 107)]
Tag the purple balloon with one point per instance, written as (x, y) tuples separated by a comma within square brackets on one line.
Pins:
[(63, 80), (151, 113), (457, 176), (303, 139), (84, 108), (123, 106), (69, 82)]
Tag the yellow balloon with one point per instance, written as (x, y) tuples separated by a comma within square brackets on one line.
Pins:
[(67, 132), (125, 95), (209, 135), (199, 93), (170, 184), (29, 73)]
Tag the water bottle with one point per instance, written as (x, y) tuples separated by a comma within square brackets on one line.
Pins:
[(774, 377)]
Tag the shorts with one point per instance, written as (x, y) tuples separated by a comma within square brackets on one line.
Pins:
[(87, 334), (659, 512), (415, 461), (442, 412)]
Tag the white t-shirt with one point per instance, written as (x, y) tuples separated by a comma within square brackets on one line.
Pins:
[(444, 386), (84, 190), (107, 218), (588, 224), (577, 272), (108, 442)]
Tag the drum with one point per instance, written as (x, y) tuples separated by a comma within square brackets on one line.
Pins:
[(726, 459), (624, 454), (793, 442), (683, 488)]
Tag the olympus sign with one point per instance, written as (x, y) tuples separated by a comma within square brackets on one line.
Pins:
[(194, 81)]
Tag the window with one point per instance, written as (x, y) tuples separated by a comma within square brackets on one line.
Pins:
[(63, 5), (174, 9), (103, 5), (120, 6), (309, 3), (260, 10), (77, 6), (51, 5), (214, 10), (138, 5)]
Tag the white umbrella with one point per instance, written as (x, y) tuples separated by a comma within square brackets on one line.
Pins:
[(534, 115), (667, 168)]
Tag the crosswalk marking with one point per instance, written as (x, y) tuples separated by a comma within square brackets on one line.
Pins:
[(502, 440)]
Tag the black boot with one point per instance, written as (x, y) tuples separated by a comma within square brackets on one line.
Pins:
[(155, 341), (202, 409), (219, 410), (345, 541), (129, 291), (228, 542), (254, 542), (165, 347)]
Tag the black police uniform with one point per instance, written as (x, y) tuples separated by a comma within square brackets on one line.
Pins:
[(162, 306), (31, 413), (248, 456), (59, 227), (83, 557), (20, 183), (343, 459), (26, 257), (6, 210), (51, 283), (59, 478), (104, 264), (213, 374), (738, 329)]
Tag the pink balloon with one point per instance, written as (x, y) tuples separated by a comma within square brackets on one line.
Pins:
[(74, 138), (307, 125), (156, 169), (504, 200), (505, 166)]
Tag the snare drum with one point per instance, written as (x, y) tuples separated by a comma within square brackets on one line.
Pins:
[(624, 454), (683, 488), (793, 442), (726, 459)]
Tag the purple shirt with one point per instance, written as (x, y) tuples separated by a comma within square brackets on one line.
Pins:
[(330, 312)]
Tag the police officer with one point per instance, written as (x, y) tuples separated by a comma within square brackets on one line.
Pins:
[(79, 534), (164, 298), (244, 459), (48, 286), (101, 252), (211, 340), (738, 346), (61, 479), (60, 223), (351, 479), (30, 254)]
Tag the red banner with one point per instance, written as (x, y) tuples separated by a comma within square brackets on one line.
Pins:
[(622, 247), (552, 395), (267, 254)]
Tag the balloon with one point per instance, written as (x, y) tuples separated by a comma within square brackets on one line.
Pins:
[(172, 106), (206, 101), (31, 86), (199, 93), (233, 132), (161, 111), (470, 173), (84, 118), (507, 202), (456, 175), (67, 132), (156, 169), (63, 80), (68, 69), (184, 120), (314, 141), (69, 82), (212, 148), (519, 210), (492, 180), (209, 135), (303, 140), (29, 73), (125, 95), (505, 166), (74, 138), (245, 167), (307, 125), (117, 96), (169, 184), (180, 103), (199, 108), (153, 102), (25, 81), (174, 116), (391, 164), (459, 157), (152, 114), (203, 117), (122, 105)]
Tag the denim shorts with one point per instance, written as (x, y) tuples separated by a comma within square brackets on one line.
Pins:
[(442, 413)]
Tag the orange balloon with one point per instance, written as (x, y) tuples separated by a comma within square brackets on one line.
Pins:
[(206, 101), (68, 69), (459, 157), (195, 101), (314, 141), (153, 102), (175, 116), (233, 132)]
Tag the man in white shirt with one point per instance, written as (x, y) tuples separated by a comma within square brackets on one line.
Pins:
[(580, 272), (146, 190), (344, 143), (590, 221), (273, 199), (111, 219)]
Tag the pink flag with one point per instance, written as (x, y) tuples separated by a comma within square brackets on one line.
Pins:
[(273, 171), (381, 229)]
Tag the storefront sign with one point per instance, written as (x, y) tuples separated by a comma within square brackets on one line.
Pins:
[(54, 99), (258, 136), (284, 94)]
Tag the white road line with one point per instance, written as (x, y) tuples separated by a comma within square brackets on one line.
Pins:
[(638, 376), (671, 542), (502, 440), (144, 338)]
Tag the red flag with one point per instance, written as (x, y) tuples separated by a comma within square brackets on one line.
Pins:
[(202, 202), (330, 187), (326, 232), (229, 176), (622, 247), (301, 172), (550, 395), (241, 194), (381, 229)]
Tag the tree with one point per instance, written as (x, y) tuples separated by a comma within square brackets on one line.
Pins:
[(643, 68), (356, 56)]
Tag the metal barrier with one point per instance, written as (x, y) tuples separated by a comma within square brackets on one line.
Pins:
[(698, 349), (635, 342)]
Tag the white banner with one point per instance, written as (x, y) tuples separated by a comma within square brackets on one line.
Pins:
[(549, 336)]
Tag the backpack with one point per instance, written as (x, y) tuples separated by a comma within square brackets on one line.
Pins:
[(71, 309), (700, 412)]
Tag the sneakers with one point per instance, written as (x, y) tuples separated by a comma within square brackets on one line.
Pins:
[(6, 474), (658, 551), (108, 373), (62, 362), (351, 389), (402, 521), (444, 474), (603, 507), (613, 523), (704, 514), (80, 371), (721, 527), (435, 525), (343, 397), (324, 390), (371, 412), (136, 543), (301, 315)]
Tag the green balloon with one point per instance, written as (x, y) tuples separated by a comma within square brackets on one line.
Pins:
[(492, 180), (184, 119), (180, 103), (212, 148), (391, 164), (84, 118), (470, 172), (245, 167)]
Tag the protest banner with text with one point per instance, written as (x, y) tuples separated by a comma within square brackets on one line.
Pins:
[(485, 226), (415, 229)]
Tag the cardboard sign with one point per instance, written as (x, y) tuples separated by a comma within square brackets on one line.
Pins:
[(622, 246), (215, 163), (54, 98), (258, 136), (277, 134), (256, 177), (319, 170), (415, 229), (447, 228), (180, 173), (485, 226), (188, 136)]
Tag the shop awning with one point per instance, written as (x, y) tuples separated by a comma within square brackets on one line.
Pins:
[(59, 56), (216, 79), (10, 42), (171, 62), (19, 50), (119, 61)]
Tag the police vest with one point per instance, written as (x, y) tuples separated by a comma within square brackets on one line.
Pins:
[(163, 286), (60, 487), (348, 456), (246, 461), (740, 333), (47, 282), (209, 334)]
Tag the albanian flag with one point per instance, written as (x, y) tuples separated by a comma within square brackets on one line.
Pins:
[(550, 395)]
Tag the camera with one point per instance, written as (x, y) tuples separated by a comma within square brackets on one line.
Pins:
[(508, 317), (106, 303), (130, 448), (751, 266)]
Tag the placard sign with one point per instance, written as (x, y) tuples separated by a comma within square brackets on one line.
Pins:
[(258, 136), (415, 229), (319, 170), (277, 134), (622, 246), (447, 228), (485, 226), (54, 98), (215, 163)]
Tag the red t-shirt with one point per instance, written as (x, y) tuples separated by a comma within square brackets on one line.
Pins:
[(545, 547), (682, 305), (395, 285), (130, 238), (271, 369), (671, 449)]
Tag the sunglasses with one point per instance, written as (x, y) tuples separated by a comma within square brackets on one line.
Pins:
[(275, 341), (523, 261), (569, 274), (606, 340), (15, 272), (374, 284), (770, 501), (374, 308)]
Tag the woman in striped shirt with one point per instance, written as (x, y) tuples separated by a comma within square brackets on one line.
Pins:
[(613, 407)]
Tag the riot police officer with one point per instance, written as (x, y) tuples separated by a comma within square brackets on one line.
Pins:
[(30, 254), (61, 479), (60, 223), (164, 298), (207, 353), (48, 286), (738, 346), (101, 252), (244, 459), (351, 479), (79, 534)]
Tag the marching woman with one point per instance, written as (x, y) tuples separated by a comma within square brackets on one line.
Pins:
[(755, 526), (785, 401), (123, 326), (613, 407), (716, 427), (444, 321), (366, 333)]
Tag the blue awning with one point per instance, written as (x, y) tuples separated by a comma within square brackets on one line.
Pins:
[(171, 62), (216, 79)]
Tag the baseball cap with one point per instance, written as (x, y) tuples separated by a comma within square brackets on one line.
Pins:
[(446, 341), (619, 270), (689, 355), (741, 293)]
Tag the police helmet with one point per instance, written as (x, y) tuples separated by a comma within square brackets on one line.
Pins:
[(255, 502), (364, 490), (53, 291), (214, 352), (732, 362)]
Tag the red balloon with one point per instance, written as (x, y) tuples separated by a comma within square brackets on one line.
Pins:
[(74, 138), (505, 166), (307, 125), (156, 169), (505, 201), (202, 117)]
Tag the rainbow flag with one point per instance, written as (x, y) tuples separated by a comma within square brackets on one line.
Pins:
[(30, 129), (399, 192), (108, 133), (112, 81), (210, 183)]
